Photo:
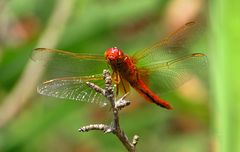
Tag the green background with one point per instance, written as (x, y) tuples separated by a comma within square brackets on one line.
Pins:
[(205, 116)]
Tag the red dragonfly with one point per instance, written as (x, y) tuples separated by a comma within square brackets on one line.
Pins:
[(161, 67)]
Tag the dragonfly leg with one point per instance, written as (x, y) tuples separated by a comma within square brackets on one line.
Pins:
[(116, 79)]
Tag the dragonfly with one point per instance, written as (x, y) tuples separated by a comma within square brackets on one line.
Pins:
[(163, 66)]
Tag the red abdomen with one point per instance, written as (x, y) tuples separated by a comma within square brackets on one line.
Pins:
[(142, 89), (129, 72)]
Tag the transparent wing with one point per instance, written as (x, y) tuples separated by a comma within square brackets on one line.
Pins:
[(165, 76), (172, 46), (61, 63), (74, 88)]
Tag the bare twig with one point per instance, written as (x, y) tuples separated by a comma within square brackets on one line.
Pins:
[(94, 127), (121, 103), (114, 128), (135, 140), (96, 88)]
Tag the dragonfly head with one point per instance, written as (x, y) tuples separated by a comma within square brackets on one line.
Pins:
[(114, 56)]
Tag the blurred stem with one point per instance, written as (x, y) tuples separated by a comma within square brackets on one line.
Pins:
[(225, 26), (25, 87)]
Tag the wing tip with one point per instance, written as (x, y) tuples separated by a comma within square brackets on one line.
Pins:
[(201, 55), (198, 54), (190, 23), (39, 49), (35, 56)]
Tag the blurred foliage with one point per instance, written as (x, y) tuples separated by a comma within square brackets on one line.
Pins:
[(225, 81), (46, 124)]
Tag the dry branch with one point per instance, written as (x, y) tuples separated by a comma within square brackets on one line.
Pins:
[(114, 128)]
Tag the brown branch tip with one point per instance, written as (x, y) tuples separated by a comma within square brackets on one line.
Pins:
[(121, 103)]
